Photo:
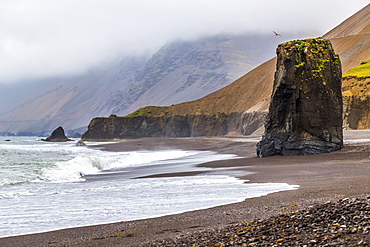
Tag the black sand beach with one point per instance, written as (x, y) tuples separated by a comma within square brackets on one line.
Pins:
[(322, 178)]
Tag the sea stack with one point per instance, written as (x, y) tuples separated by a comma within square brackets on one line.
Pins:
[(305, 113), (57, 136)]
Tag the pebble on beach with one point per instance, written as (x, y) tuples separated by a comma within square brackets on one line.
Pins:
[(345, 222)]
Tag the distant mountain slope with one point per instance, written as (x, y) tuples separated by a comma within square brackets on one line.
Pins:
[(72, 102), (241, 106), (180, 71), (203, 71), (252, 91), (351, 39)]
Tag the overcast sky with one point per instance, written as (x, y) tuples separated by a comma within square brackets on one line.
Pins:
[(41, 38)]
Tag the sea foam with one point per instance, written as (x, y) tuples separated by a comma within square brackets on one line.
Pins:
[(47, 186), (96, 161)]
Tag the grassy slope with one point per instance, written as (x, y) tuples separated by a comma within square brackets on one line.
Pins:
[(357, 80), (360, 71)]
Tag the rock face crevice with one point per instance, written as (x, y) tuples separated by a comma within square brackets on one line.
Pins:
[(305, 113), (114, 127)]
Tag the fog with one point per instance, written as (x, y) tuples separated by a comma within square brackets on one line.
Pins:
[(43, 38)]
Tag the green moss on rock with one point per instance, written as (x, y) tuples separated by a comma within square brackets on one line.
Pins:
[(305, 113)]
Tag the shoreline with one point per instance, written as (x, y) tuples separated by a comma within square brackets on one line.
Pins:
[(321, 178)]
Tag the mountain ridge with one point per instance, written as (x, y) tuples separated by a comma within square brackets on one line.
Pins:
[(180, 71), (352, 49), (250, 94)]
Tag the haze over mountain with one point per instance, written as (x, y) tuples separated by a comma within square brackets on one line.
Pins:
[(241, 106), (254, 89), (180, 71), (68, 85), (45, 39)]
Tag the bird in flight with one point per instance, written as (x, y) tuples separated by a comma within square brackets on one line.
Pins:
[(276, 34)]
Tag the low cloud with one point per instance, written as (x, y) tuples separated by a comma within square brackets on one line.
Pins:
[(43, 38)]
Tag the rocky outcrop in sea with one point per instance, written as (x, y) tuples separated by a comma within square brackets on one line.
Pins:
[(57, 136), (305, 113)]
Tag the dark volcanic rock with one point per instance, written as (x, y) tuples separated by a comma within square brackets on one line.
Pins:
[(114, 127), (80, 143), (57, 136), (305, 114)]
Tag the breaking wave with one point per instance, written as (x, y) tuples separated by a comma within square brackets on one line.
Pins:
[(74, 169)]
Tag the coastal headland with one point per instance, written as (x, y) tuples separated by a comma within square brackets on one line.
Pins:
[(322, 178)]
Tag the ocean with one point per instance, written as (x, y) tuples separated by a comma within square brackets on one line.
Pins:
[(48, 186)]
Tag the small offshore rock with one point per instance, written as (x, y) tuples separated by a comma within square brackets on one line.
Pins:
[(57, 136), (80, 143)]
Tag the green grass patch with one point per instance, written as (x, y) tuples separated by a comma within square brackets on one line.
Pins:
[(360, 71), (106, 140), (146, 111)]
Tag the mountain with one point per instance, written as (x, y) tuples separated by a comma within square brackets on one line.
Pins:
[(242, 103), (187, 70), (252, 91), (72, 102), (180, 71), (351, 39)]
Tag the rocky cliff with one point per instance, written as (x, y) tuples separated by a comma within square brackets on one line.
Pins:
[(305, 113), (356, 97), (114, 127)]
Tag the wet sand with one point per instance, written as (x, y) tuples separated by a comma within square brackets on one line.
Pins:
[(322, 178)]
